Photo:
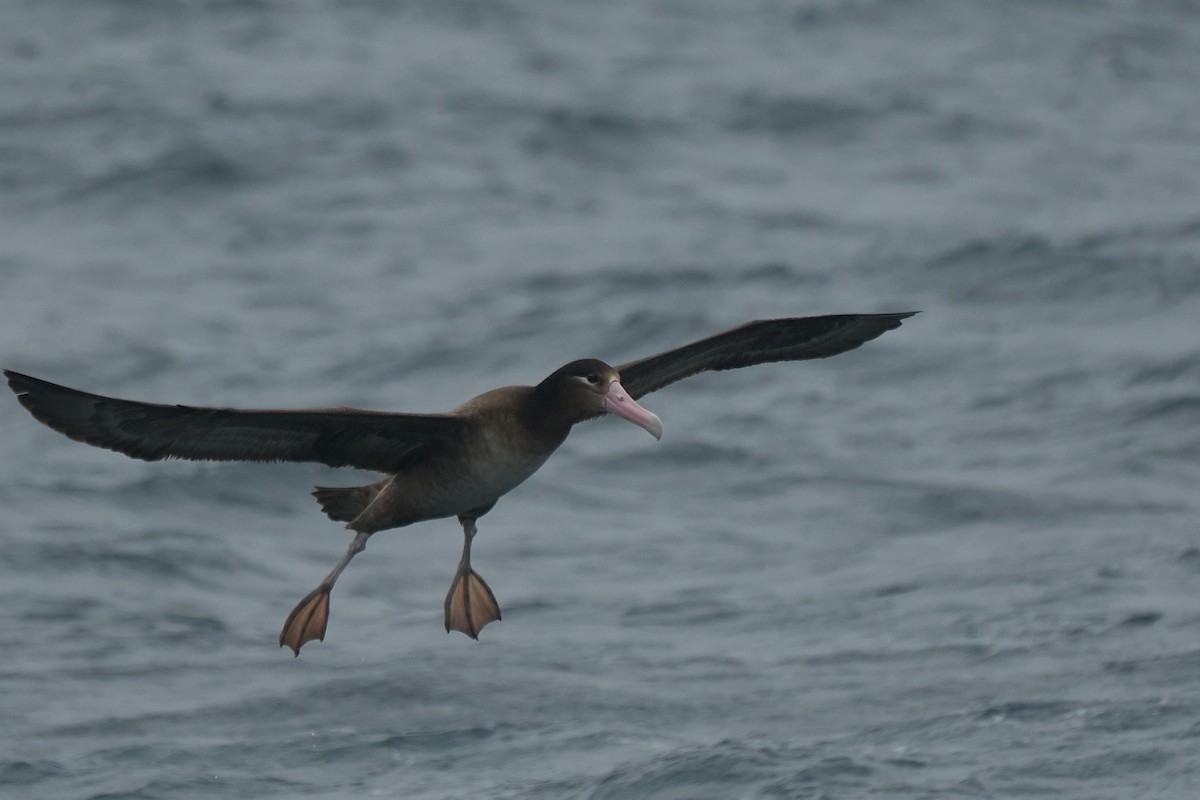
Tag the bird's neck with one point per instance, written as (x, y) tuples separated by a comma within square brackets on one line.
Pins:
[(544, 412)]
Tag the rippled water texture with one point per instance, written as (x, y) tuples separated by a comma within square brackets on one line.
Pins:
[(962, 561)]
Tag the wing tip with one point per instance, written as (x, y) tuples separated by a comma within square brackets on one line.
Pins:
[(872, 326), (18, 382), (897, 316), (879, 323), (25, 388), (28, 388)]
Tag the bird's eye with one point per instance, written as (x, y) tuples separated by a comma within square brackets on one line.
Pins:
[(593, 378)]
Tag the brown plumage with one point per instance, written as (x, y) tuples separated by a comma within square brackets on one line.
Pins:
[(439, 465)]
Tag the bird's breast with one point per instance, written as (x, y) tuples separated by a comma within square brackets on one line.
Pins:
[(499, 463), (475, 473)]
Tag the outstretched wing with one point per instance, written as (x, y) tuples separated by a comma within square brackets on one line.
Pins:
[(794, 339), (339, 437)]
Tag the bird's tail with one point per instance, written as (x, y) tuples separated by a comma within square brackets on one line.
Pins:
[(346, 503)]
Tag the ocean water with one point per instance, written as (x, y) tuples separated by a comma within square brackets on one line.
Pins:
[(962, 561)]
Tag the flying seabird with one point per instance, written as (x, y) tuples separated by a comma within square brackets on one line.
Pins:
[(457, 464)]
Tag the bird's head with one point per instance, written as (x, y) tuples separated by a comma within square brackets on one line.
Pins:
[(589, 387)]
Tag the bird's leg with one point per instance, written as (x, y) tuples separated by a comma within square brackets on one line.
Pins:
[(470, 603), (310, 616)]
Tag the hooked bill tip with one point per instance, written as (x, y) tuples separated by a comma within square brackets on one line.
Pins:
[(617, 401)]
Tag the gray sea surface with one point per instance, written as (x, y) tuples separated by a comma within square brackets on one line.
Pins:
[(962, 561)]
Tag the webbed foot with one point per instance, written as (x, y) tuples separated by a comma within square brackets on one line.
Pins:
[(470, 604), (307, 620)]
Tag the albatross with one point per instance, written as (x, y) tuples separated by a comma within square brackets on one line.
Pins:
[(456, 464)]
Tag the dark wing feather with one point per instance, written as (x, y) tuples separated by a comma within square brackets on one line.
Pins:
[(759, 342), (339, 437)]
